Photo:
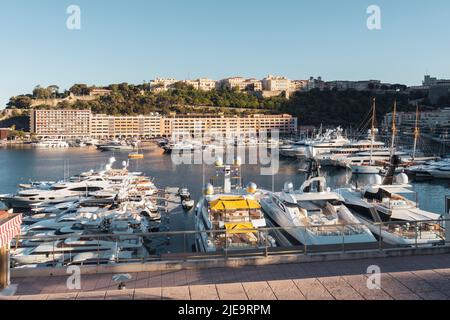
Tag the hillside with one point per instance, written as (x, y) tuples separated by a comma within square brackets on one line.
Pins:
[(330, 108)]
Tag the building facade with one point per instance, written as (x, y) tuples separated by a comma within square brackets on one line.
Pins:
[(67, 123), (276, 83), (228, 126), (81, 123), (162, 84), (240, 84), (105, 126)]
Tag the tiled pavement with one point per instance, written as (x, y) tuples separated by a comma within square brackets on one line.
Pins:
[(420, 277)]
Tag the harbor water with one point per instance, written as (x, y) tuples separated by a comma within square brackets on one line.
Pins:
[(20, 165)]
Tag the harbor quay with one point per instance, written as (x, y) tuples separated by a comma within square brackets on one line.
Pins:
[(419, 277)]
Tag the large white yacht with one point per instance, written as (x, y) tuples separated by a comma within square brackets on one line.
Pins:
[(390, 213), (314, 215), (433, 169), (50, 143), (229, 219), (330, 140), (60, 192)]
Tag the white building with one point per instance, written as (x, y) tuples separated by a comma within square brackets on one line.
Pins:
[(276, 83), (204, 84), (241, 84), (162, 84)]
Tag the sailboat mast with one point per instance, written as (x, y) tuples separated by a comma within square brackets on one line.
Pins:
[(372, 130), (394, 128), (416, 132)]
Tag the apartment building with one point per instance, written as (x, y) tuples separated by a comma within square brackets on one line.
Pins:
[(435, 121), (241, 84), (227, 125), (276, 83), (162, 84), (60, 123), (204, 84), (299, 85), (81, 123), (104, 126)]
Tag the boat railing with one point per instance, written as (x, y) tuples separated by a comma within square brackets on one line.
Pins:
[(101, 248)]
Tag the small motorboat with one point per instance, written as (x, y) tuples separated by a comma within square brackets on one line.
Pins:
[(186, 201), (184, 193), (187, 204), (135, 155)]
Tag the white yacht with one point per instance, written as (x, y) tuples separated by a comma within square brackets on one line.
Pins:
[(60, 250), (229, 219), (432, 169), (385, 208), (50, 143), (294, 150), (116, 145), (58, 193), (339, 157), (314, 216), (330, 140)]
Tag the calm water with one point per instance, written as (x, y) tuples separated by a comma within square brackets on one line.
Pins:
[(19, 165)]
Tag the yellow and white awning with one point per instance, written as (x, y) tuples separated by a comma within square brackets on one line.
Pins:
[(233, 203), (240, 227)]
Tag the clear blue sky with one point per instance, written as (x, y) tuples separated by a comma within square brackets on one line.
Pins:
[(136, 40)]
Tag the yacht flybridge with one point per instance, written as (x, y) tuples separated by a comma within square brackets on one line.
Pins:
[(388, 212), (314, 215), (228, 218)]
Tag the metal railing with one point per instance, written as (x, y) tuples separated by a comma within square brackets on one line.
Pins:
[(102, 248)]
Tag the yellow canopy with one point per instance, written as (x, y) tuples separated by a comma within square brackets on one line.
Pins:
[(241, 227), (233, 203)]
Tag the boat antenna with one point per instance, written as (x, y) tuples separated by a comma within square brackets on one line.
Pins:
[(394, 127), (372, 129), (416, 132)]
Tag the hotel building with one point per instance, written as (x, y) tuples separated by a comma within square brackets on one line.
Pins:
[(81, 123)]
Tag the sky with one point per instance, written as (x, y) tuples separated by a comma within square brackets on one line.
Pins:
[(137, 40)]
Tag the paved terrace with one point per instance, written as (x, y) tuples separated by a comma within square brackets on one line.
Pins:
[(417, 277)]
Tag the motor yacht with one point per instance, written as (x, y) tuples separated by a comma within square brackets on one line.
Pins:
[(50, 143), (58, 193), (228, 218), (387, 209), (314, 215)]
